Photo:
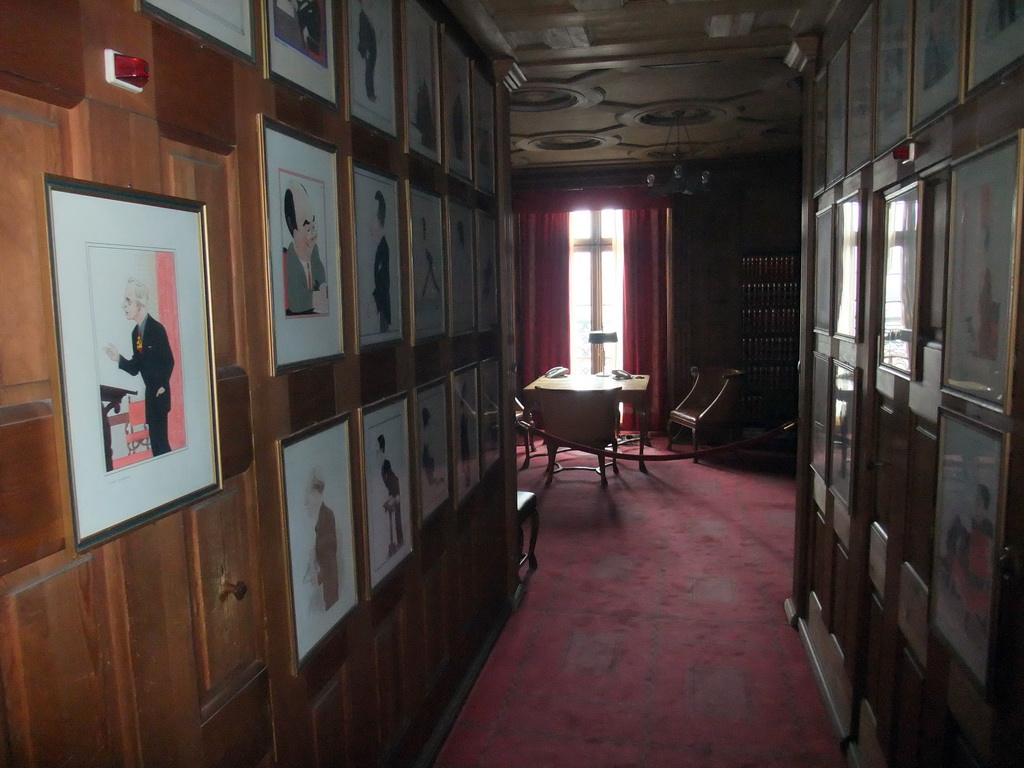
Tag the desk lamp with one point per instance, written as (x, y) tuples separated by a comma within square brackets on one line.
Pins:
[(600, 338)]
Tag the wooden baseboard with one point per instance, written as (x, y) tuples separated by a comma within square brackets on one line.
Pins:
[(428, 755)]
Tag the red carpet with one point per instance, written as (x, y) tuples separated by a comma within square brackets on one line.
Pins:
[(653, 633)]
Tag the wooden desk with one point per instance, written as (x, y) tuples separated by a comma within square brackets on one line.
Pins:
[(634, 393)]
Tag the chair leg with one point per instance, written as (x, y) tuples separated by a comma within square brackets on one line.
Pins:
[(615, 459), (528, 446), (696, 446), (550, 471), (534, 525), (600, 469)]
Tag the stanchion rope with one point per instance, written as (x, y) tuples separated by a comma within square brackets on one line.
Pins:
[(562, 442)]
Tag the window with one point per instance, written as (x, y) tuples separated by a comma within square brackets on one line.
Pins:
[(595, 289)]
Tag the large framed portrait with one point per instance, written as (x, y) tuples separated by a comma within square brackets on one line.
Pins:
[(997, 38), (465, 427), (301, 193), (225, 23), (490, 412), (428, 266), (421, 61), (371, 63), (843, 418), (892, 73), (431, 418), (898, 343), (135, 350), (462, 268), (846, 277), (982, 271), (300, 46), (968, 532), (823, 270), (859, 94), (836, 148), (316, 466), (387, 497), (457, 114), (487, 271), (483, 126), (378, 275), (938, 26)]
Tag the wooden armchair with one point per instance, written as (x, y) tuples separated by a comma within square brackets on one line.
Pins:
[(585, 417), (710, 403)]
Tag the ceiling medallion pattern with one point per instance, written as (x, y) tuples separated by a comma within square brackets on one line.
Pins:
[(563, 142), (667, 114), (548, 97)]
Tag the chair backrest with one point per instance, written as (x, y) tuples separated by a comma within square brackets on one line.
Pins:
[(714, 394), (585, 416), (137, 413)]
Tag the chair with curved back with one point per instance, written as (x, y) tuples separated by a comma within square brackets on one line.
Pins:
[(710, 403), (587, 417)]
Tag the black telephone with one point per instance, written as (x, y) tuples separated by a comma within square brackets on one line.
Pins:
[(620, 375), (557, 372)]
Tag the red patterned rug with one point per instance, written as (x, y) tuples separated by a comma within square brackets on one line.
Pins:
[(653, 633)]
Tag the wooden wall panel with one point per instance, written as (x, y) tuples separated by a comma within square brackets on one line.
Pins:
[(225, 584), (25, 327), (330, 725), (30, 35), (390, 668), (59, 686), (238, 732), (31, 518), (209, 177), (157, 595)]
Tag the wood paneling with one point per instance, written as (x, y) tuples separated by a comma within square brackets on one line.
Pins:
[(226, 613), (59, 688), (41, 50), (235, 417), (31, 519), (25, 317), (238, 732)]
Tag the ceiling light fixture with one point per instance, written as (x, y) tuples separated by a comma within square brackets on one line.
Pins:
[(680, 180)]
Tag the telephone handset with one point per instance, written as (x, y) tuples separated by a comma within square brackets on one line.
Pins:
[(557, 372), (620, 375)]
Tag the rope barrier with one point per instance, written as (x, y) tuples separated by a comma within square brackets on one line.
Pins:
[(562, 442)]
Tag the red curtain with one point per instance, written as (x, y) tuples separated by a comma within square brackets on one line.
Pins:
[(645, 331), (543, 320)]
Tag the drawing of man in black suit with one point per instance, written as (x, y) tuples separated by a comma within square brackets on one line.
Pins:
[(151, 358), (381, 265)]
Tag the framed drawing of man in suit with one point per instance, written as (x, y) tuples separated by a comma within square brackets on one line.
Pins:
[(135, 351)]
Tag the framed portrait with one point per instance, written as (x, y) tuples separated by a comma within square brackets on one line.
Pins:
[(300, 46), (457, 130), (820, 401), (997, 38), (462, 268), (135, 351), (859, 94), (846, 266), (465, 427), (421, 61), (378, 274), (835, 154), (892, 73), (938, 28), (316, 466), (301, 193), (371, 63), (483, 127), (843, 419), (968, 532), (982, 270), (487, 271), (823, 270), (387, 498), (819, 139), (225, 23), (431, 418), (490, 412), (428, 266), (898, 343)]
